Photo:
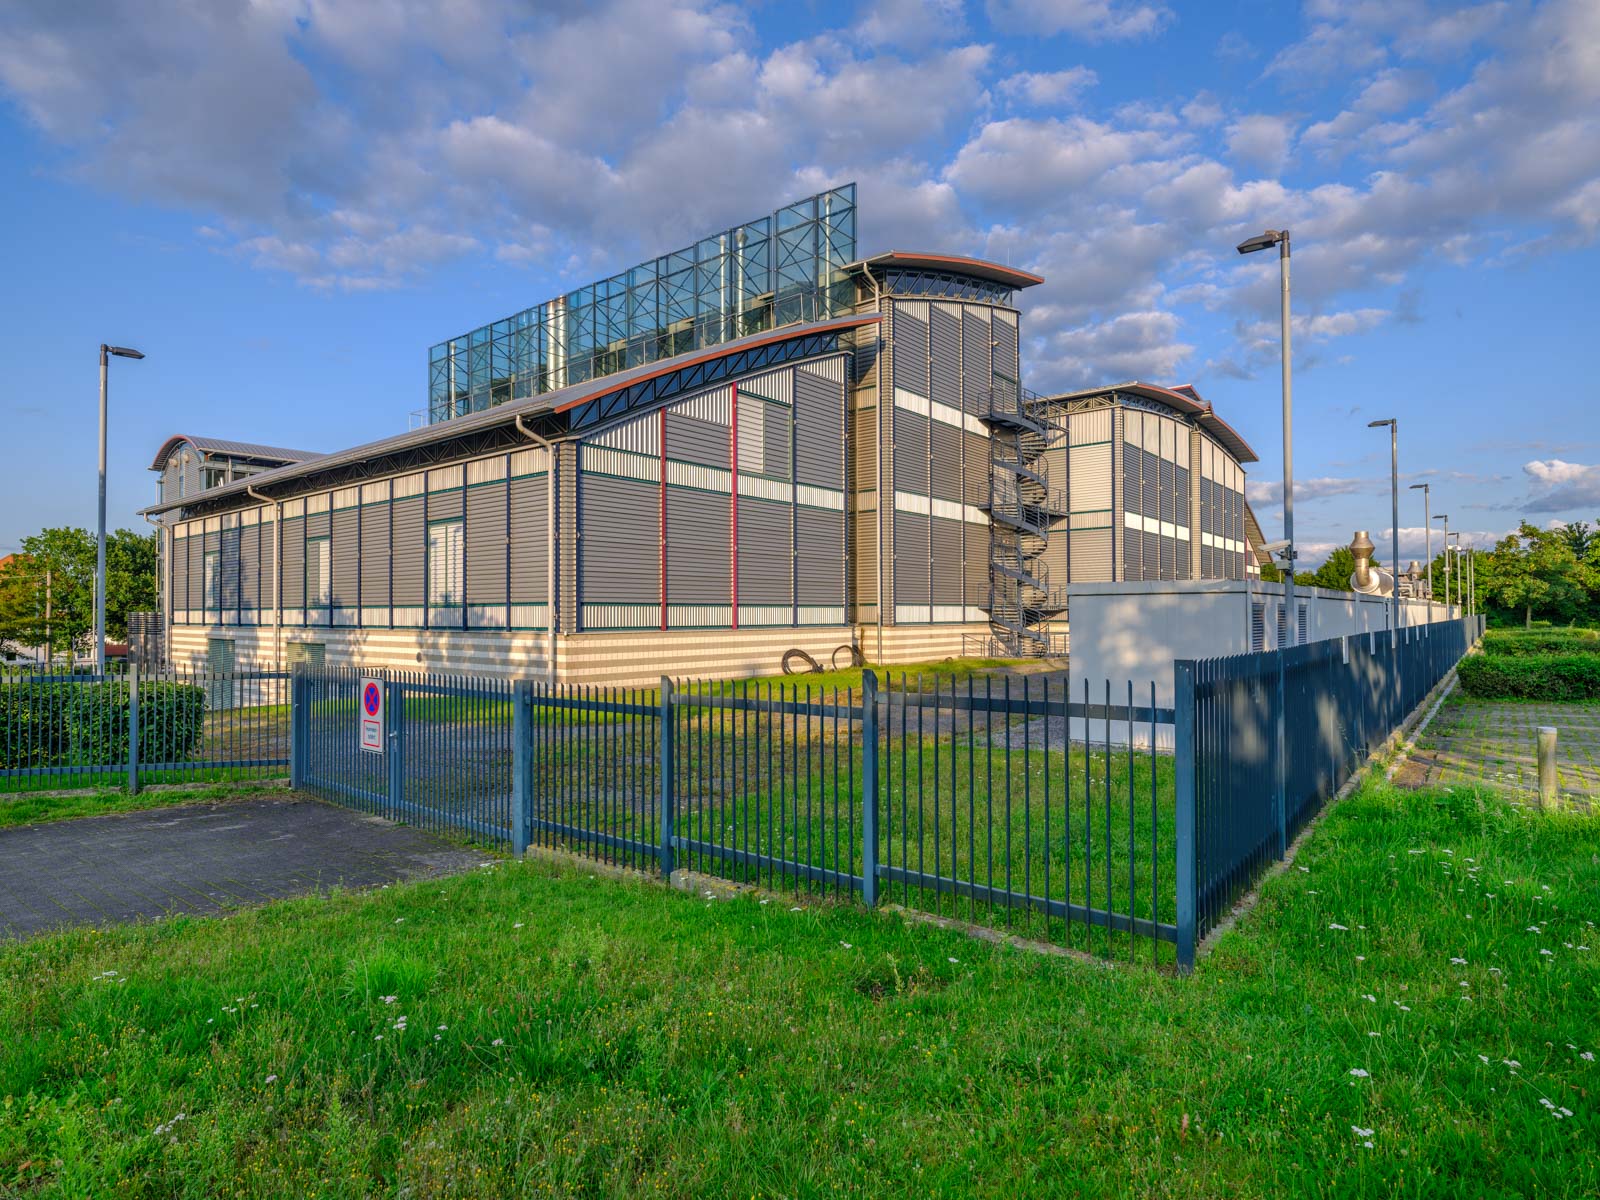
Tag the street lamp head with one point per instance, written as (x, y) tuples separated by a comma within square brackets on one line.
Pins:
[(1385, 421), (1441, 516), (1263, 241), (122, 351), (1424, 486)]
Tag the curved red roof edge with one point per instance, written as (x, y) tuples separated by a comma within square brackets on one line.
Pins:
[(677, 364), (1014, 275)]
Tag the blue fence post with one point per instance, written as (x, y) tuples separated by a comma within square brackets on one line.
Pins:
[(1183, 747), (869, 788), (1280, 775), (297, 730), (521, 765), (394, 708), (668, 783), (133, 729)]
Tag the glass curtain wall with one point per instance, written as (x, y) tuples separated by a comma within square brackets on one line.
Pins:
[(779, 270)]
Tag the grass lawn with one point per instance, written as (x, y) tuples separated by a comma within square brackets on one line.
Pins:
[(32, 809), (1418, 981)]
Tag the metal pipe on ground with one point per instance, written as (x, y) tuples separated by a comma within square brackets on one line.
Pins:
[(1549, 797)]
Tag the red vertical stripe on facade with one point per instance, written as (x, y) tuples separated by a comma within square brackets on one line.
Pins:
[(662, 514), (733, 503)]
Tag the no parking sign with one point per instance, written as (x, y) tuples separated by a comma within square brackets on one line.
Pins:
[(372, 699)]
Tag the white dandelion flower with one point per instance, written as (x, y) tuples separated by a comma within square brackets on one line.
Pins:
[(1458, 962), (847, 945), (1483, 1058), (270, 1079), (1360, 1132), (1342, 928), (1369, 997), (1549, 953), (1361, 958), (1359, 1073), (1587, 1056), (498, 1042)]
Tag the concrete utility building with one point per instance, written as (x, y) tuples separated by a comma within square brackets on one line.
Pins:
[(754, 443)]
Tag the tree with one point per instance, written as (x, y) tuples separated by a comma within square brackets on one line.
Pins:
[(1583, 540), (1335, 573), (62, 563), (1535, 569)]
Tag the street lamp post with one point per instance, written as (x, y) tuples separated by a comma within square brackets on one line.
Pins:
[(1427, 533), (1265, 241), (1394, 514), (1445, 517), (1460, 601), (100, 547)]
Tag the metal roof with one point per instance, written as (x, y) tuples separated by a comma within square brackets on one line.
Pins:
[(209, 446), (976, 267), (546, 404), (1186, 400)]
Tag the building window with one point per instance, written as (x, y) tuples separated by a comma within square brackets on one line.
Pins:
[(213, 579), (319, 577), (212, 477), (446, 561)]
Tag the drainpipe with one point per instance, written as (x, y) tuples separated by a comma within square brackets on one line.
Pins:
[(277, 573), (550, 545)]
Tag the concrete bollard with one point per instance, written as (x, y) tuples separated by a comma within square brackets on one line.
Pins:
[(1548, 796)]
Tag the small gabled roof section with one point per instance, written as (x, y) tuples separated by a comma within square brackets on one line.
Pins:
[(210, 447), (976, 267)]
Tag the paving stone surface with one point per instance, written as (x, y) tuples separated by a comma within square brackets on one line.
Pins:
[(1496, 744), (203, 858)]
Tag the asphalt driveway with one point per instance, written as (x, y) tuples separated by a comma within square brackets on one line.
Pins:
[(203, 858)]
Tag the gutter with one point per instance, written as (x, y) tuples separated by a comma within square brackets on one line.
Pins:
[(277, 573), (550, 545)]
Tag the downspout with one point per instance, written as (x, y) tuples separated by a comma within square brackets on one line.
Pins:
[(277, 573), (550, 545)]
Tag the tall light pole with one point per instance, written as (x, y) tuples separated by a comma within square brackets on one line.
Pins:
[(1264, 241), (1427, 533), (100, 548), (1460, 602), (1394, 514), (1445, 517)]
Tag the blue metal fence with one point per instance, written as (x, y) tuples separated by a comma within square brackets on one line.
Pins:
[(1264, 740), (62, 731), (967, 800)]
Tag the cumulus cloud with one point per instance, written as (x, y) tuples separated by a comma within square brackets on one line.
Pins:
[(1045, 89), (1271, 491), (1560, 486), (911, 24), (1261, 140), (1091, 20)]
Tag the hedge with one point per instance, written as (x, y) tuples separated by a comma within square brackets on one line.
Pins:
[(86, 724), (1555, 678), (1520, 642)]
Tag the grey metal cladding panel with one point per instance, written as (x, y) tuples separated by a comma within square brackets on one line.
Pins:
[(318, 525), (946, 461), (910, 351), (294, 563), (698, 570), (269, 565), (864, 446), (945, 544), (866, 356), (911, 558), (690, 439), (866, 557), (977, 373), (978, 565), (977, 469), (250, 566), (1132, 554), (1169, 501), (410, 552), (1150, 478), (180, 573), (1131, 492), (486, 543), (1169, 557), (530, 551), (346, 556), (819, 430), (375, 556), (620, 549), (1005, 348), (944, 330), (910, 452), (1152, 555), (568, 517), (229, 561), (776, 432), (819, 563), (444, 506), (1091, 555), (766, 565)]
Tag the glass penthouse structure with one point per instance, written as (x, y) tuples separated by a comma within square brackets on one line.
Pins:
[(783, 269)]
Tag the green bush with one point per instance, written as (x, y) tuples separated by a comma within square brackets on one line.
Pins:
[(1519, 642), (86, 724), (1554, 678)]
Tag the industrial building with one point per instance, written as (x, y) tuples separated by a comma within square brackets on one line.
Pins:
[(755, 443)]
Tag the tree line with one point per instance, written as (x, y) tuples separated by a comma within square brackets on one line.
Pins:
[(47, 590)]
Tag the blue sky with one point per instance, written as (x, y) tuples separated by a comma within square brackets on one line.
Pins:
[(284, 203)]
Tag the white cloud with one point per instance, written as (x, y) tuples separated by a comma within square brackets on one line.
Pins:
[(1091, 20), (1562, 486), (1046, 89), (1261, 140), (1270, 491), (1133, 345), (911, 24)]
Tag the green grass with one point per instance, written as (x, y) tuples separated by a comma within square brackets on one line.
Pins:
[(608, 1037), (37, 809), (939, 674)]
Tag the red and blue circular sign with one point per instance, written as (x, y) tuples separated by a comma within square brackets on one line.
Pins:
[(371, 699)]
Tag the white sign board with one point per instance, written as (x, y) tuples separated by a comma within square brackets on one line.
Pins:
[(372, 715)]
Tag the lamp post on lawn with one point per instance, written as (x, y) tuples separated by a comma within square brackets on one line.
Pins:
[(1445, 517), (100, 546), (1460, 602), (1427, 533), (1394, 514), (1265, 241)]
